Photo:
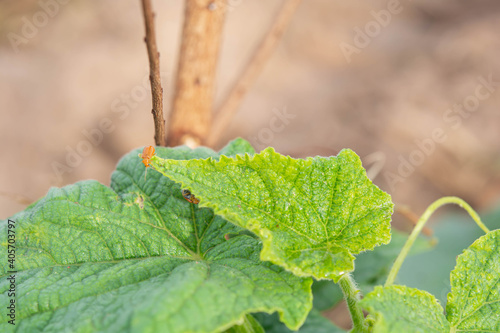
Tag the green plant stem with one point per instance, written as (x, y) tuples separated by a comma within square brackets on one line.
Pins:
[(351, 296), (420, 224)]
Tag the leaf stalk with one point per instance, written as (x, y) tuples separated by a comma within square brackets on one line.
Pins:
[(420, 224), (352, 296)]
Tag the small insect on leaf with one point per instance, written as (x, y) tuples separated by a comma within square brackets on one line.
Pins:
[(147, 153), (189, 197)]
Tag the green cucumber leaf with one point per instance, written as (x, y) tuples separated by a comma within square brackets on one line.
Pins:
[(399, 309), (137, 257), (474, 301), (312, 215), (237, 147)]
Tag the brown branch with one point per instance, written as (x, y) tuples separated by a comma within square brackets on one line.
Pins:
[(191, 114), (154, 73), (251, 71)]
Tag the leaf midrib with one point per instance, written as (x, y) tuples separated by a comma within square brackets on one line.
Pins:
[(158, 214)]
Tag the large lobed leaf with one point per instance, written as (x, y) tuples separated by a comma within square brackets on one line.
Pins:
[(473, 303), (137, 257), (312, 215)]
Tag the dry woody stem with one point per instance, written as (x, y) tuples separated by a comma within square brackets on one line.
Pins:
[(154, 73), (252, 70), (191, 116)]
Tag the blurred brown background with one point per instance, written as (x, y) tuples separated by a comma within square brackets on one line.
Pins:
[(412, 98)]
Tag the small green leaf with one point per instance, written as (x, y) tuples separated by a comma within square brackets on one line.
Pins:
[(312, 215), (400, 309), (237, 147), (474, 302), (137, 257)]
